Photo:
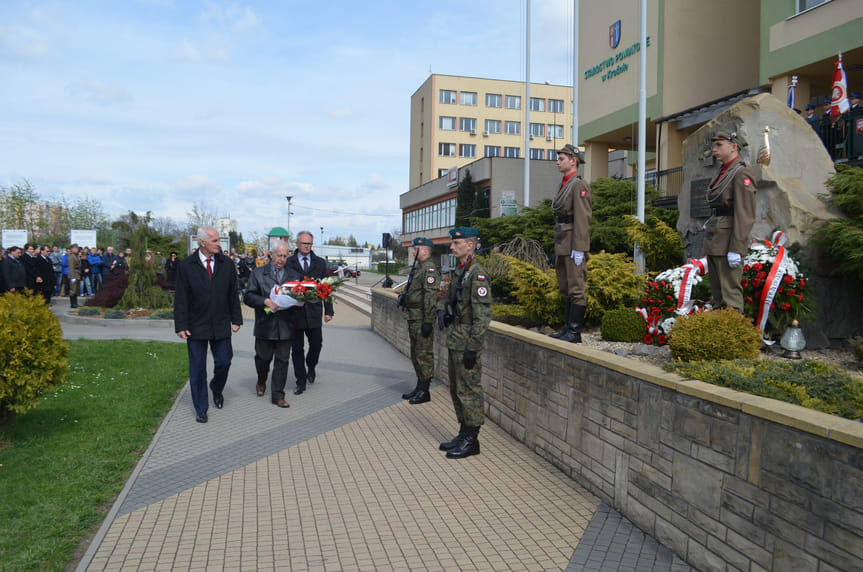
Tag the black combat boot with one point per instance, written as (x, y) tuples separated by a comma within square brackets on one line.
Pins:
[(447, 445), (567, 307), (573, 326), (412, 392), (469, 445), (422, 394), (73, 301)]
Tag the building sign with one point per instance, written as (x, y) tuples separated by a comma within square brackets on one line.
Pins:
[(615, 65), (452, 177), (508, 204), (614, 35), (83, 238), (14, 237)]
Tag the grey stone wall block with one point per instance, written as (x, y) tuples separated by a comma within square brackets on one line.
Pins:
[(747, 491), (833, 554), (708, 524), (703, 559), (697, 483), (755, 551), (713, 458), (731, 556), (805, 460)]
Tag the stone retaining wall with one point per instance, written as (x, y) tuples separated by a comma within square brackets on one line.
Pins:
[(727, 480)]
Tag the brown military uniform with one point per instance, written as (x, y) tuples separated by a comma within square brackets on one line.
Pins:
[(572, 212), (731, 196)]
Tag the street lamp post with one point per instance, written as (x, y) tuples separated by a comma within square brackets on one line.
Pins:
[(322, 236), (289, 197)]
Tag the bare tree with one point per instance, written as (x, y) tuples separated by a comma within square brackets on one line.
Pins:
[(199, 216)]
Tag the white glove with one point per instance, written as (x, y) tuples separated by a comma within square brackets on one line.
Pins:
[(733, 260), (577, 257)]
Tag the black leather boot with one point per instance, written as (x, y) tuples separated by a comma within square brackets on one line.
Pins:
[(73, 301), (412, 392), (422, 394), (566, 311), (447, 445), (468, 446), (573, 329)]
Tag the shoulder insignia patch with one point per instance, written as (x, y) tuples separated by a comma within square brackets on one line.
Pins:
[(431, 270), (583, 192), (480, 277), (747, 182), (430, 279), (482, 291)]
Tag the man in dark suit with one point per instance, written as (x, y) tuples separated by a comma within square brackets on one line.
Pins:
[(206, 312), (45, 272), (14, 273), (307, 318), (273, 331)]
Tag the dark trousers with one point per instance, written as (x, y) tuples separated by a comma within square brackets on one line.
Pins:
[(279, 352), (310, 360), (223, 352)]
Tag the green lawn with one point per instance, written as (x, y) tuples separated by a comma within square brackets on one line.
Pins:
[(62, 463)]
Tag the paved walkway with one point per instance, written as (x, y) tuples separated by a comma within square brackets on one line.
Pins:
[(348, 478)]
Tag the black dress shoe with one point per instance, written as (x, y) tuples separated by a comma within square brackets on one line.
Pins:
[(201, 417), (218, 400), (421, 396), (468, 446), (311, 376), (299, 389)]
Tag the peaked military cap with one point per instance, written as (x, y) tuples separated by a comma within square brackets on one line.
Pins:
[(422, 241), (809, 106), (731, 136), (463, 232), (572, 151)]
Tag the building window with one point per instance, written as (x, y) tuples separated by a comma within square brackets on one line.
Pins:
[(803, 5), (511, 152), (555, 106), (537, 153), (551, 155), (492, 100), (537, 104), (447, 123), (512, 127), (441, 173), (467, 124), (492, 126), (448, 96), (468, 98), (537, 130), (513, 102), (556, 131), (492, 151), (446, 150), (465, 150)]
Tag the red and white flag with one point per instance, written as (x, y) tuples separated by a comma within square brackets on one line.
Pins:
[(839, 100)]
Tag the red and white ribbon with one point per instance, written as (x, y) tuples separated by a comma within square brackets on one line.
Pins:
[(774, 277), (690, 271)]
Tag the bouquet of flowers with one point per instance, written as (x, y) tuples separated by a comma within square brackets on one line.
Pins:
[(669, 296), (296, 293)]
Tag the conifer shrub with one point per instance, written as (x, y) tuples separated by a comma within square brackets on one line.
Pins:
[(89, 311), (611, 283), (32, 352), (114, 314), (110, 293), (162, 315), (536, 290), (623, 325), (713, 336)]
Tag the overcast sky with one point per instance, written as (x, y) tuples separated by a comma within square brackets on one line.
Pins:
[(160, 104)]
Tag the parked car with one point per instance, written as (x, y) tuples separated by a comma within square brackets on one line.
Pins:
[(333, 270)]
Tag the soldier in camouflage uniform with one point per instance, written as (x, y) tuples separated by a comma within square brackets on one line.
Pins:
[(419, 299), (466, 312)]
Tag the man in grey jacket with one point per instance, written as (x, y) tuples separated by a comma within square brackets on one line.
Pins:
[(273, 331)]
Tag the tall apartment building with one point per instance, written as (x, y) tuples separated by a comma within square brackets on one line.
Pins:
[(456, 120)]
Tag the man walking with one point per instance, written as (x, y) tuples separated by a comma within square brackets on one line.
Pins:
[(731, 196), (572, 212), (273, 330), (420, 298), (306, 320), (206, 312), (466, 314)]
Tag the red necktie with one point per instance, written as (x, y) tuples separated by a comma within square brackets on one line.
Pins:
[(305, 264), (210, 268)]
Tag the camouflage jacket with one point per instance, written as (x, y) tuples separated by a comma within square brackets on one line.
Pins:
[(424, 292), (472, 306)]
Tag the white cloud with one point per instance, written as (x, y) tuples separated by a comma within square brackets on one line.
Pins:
[(231, 17), (98, 92), (186, 51)]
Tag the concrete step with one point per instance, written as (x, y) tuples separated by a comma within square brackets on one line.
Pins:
[(356, 296)]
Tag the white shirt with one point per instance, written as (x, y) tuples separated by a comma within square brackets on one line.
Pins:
[(204, 261)]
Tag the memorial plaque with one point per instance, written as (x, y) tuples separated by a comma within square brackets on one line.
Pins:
[(698, 205)]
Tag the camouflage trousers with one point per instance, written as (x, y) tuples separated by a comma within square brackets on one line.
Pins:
[(422, 351), (465, 387)]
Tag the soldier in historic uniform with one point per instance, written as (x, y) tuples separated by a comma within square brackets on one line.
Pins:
[(419, 299), (572, 212), (731, 196), (466, 312)]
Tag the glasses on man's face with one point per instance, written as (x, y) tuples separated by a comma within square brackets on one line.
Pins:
[(304, 243)]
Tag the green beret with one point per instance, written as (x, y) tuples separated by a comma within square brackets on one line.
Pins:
[(423, 241), (572, 151), (463, 232), (731, 136)]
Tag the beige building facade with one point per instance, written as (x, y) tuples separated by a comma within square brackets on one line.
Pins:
[(456, 120), (702, 57)]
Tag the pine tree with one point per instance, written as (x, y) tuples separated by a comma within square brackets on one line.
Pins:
[(464, 205)]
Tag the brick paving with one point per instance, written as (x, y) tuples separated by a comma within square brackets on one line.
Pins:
[(349, 478)]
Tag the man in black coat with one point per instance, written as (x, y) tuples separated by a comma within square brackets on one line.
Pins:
[(206, 312), (273, 330), (45, 273), (307, 319), (14, 272)]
